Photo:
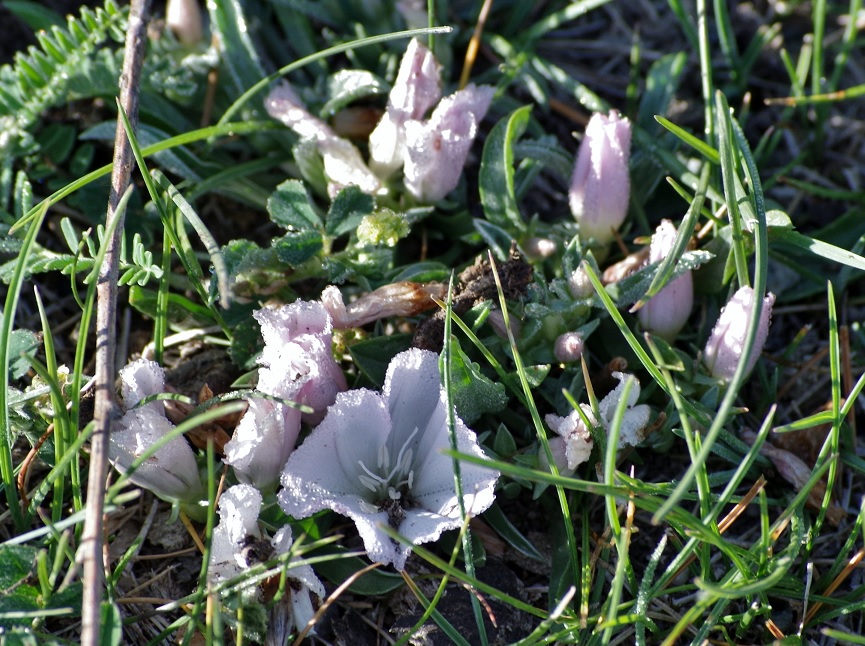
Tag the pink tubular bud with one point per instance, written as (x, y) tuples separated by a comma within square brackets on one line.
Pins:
[(600, 187), (568, 347), (666, 313), (724, 348)]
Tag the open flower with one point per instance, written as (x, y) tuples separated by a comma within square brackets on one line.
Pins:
[(436, 150), (237, 544), (666, 313), (377, 459), (574, 443), (171, 472), (725, 346), (600, 187), (634, 421), (416, 90)]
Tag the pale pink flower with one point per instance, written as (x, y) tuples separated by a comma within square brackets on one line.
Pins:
[(437, 149), (377, 458), (574, 443), (416, 89), (666, 313), (725, 346), (600, 187), (297, 359), (343, 163)]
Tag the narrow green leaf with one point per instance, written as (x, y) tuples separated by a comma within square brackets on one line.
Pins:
[(497, 172)]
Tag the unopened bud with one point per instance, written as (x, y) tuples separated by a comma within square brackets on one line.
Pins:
[(600, 186), (568, 347), (666, 313), (725, 346), (183, 17)]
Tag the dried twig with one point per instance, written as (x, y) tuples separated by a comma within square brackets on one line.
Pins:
[(106, 291)]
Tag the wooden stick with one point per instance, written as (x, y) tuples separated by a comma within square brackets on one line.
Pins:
[(106, 294)]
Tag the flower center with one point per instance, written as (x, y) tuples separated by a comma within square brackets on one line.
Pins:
[(390, 482)]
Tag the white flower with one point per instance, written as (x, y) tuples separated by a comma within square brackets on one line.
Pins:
[(724, 348), (415, 90), (666, 313), (437, 149), (233, 547), (343, 164), (404, 298), (574, 444), (635, 418), (171, 472), (377, 459)]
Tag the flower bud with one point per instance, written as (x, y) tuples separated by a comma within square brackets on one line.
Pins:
[(600, 187), (436, 150), (666, 313), (724, 349), (580, 285), (183, 17), (568, 347)]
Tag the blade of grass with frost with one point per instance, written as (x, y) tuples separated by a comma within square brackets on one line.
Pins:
[(643, 596), (201, 594), (727, 41), (536, 420), (325, 53), (207, 239), (760, 268), (818, 67), (62, 429), (848, 42), (725, 148), (829, 451), (622, 542), (556, 19), (452, 433), (8, 319), (186, 256)]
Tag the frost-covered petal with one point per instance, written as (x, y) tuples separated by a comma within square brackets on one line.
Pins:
[(434, 479), (262, 442), (577, 440), (297, 357), (634, 419), (172, 471), (436, 150), (324, 471), (415, 90), (140, 379), (411, 390), (238, 518)]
